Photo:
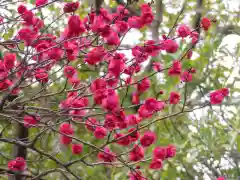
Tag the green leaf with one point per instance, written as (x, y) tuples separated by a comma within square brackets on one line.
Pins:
[(1, 55), (8, 35), (238, 142)]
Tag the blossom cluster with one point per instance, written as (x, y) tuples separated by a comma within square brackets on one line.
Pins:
[(18, 164)]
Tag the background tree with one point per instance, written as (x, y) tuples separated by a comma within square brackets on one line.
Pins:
[(50, 97)]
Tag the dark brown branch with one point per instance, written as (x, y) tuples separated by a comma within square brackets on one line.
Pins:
[(98, 4)]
